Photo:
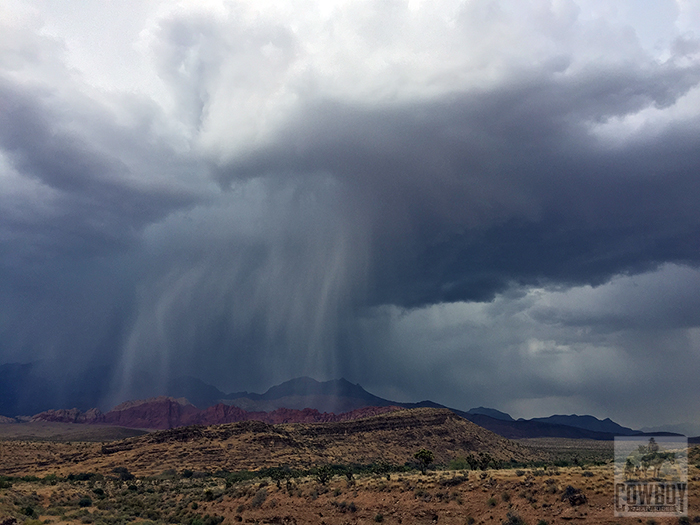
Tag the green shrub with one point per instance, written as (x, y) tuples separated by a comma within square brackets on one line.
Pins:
[(454, 481), (82, 476), (259, 498), (151, 514), (513, 519), (51, 479), (85, 502), (423, 495), (237, 477), (379, 518), (425, 457), (459, 463), (123, 473), (324, 474), (345, 507)]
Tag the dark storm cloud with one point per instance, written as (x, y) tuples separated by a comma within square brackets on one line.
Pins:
[(374, 165), (95, 202), (605, 350), (480, 191), (262, 286)]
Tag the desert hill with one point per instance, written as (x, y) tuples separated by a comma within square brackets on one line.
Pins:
[(392, 437)]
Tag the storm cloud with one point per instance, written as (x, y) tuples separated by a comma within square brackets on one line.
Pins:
[(476, 202)]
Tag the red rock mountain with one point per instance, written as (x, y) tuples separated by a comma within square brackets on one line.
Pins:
[(167, 412)]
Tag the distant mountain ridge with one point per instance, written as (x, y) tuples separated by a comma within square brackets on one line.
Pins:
[(589, 423), (491, 412), (303, 392), (23, 391), (342, 395)]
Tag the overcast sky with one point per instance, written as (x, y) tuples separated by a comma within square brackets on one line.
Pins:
[(477, 202)]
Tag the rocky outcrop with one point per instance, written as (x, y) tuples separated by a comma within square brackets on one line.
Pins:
[(222, 414), (157, 413), (7, 420), (128, 405), (166, 412), (72, 415)]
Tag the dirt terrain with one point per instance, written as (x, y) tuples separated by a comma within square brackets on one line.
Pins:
[(60, 432), (446, 497)]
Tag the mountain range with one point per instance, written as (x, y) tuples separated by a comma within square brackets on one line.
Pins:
[(189, 400), (343, 396)]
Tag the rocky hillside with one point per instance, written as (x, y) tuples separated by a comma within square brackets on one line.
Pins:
[(392, 437)]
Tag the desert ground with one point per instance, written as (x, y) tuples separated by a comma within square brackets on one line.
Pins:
[(258, 473), (450, 497)]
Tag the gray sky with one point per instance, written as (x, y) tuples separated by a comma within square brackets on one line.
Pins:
[(477, 202)]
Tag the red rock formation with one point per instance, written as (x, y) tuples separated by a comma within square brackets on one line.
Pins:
[(166, 412), (221, 414), (157, 413)]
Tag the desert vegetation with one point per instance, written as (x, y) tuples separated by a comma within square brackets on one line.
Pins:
[(329, 494)]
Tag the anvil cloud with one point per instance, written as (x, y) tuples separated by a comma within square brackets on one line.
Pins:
[(476, 202)]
